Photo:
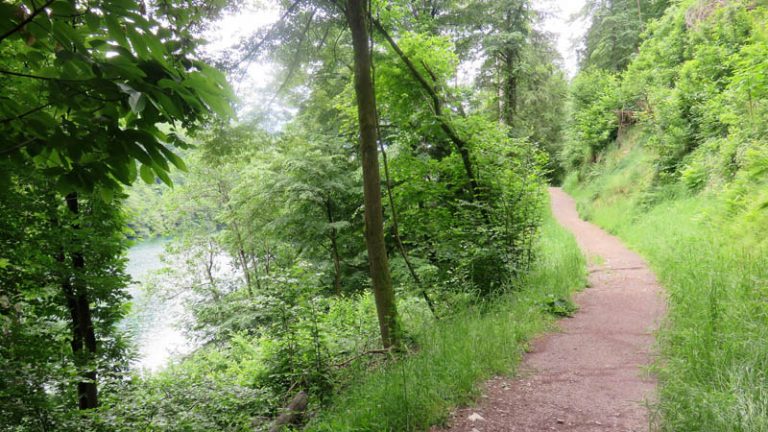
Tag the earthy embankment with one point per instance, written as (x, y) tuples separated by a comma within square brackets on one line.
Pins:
[(590, 376)]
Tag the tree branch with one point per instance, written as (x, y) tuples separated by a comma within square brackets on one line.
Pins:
[(363, 354), (296, 57), (17, 146), (26, 21), (22, 115), (38, 77), (460, 144)]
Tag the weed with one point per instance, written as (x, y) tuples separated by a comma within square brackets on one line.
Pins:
[(559, 306)]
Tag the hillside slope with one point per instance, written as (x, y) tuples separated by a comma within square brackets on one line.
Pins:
[(671, 155), (712, 264)]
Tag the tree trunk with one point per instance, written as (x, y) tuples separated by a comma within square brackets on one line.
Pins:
[(243, 258), (83, 334), (292, 413), (238, 236), (374, 221), (334, 248), (510, 87)]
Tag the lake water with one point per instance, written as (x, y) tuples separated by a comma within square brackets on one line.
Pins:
[(153, 320)]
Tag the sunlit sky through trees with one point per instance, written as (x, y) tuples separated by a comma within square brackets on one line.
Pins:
[(258, 84)]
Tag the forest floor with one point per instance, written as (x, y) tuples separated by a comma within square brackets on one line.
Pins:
[(593, 374)]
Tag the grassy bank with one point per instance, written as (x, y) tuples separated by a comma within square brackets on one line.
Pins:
[(457, 354), (713, 263)]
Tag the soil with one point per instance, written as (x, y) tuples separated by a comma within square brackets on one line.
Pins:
[(593, 374)]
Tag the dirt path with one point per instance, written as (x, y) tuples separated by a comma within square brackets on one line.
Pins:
[(589, 377)]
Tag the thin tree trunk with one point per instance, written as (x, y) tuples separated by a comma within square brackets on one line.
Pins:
[(213, 289), (384, 294), (437, 106), (399, 240), (242, 257), (267, 259), (246, 271), (83, 335), (255, 265), (240, 248), (334, 248), (500, 89), (510, 88)]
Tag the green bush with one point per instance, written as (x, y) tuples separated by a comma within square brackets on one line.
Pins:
[(594, 122)]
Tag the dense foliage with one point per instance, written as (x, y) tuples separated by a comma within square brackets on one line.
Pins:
[(698, 87), (42, 364), (283, 209), (85, 89), (615, 31)]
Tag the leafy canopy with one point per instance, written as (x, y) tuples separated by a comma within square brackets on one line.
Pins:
[(90, 87)]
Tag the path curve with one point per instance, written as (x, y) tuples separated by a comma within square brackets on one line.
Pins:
[(591, 376)]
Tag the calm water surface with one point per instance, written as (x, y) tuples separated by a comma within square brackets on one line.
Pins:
[(153, 320)]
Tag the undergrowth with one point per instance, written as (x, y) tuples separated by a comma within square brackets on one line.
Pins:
[(457, 353)]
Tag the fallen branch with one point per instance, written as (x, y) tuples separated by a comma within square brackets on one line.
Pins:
[(291, 413), (363, 354)]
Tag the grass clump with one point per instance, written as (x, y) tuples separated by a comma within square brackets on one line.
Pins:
[(457, 353)]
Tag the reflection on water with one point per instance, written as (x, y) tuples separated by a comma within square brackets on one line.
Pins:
[(157, 313), (153, 320)]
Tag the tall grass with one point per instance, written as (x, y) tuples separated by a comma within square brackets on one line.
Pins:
[(456, 354), (714, 365)]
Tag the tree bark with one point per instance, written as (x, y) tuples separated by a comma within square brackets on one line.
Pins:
[(510, 87), (83, 335), (334, 248), (381, 280)]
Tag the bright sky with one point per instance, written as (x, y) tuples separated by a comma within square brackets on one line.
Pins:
[(255, 14), (568, 31)]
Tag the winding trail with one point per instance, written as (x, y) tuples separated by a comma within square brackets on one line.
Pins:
[(591, 376)]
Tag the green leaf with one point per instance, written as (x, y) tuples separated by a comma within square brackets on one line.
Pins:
[(147, 174), (64, 33), (106, 194), (115, 30), (64, 8), (93, 21), (138, 42), (137, 102), (132, 172), (167, 106), (163, 176), (138, 153), (173, 158), (126, 67)]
